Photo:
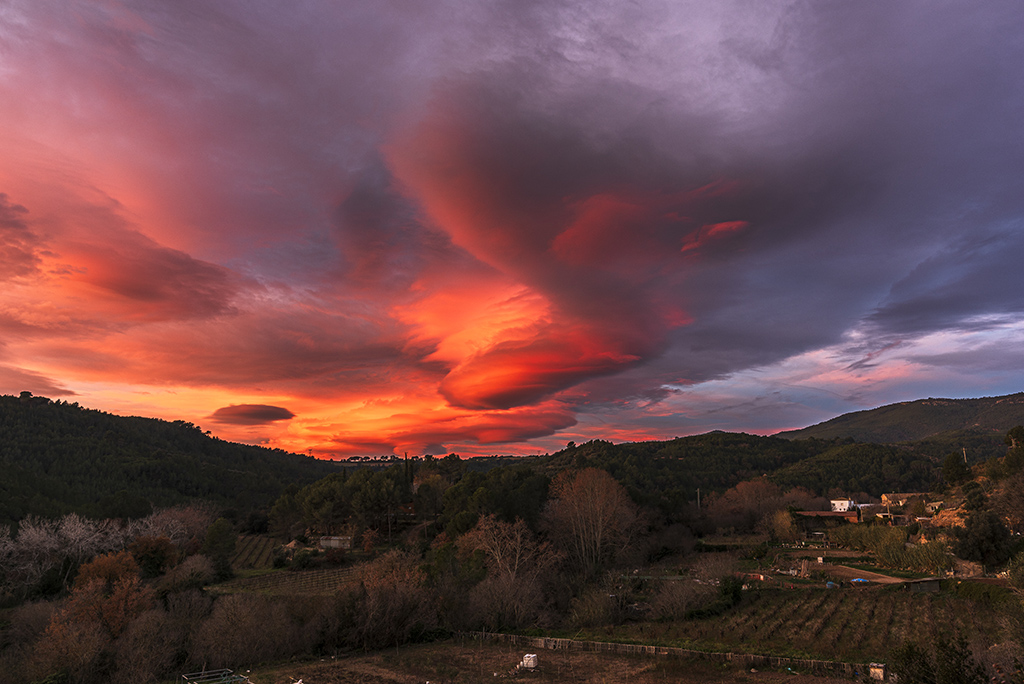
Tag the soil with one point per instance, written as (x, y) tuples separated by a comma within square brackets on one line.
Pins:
[(466, 662), (842, 572)]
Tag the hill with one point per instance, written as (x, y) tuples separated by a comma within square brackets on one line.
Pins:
[(940, 420), (58, 458)]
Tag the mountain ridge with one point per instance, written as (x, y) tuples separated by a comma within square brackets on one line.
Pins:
[(920, 419)]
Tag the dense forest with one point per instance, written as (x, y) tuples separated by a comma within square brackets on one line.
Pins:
[(58, 457)]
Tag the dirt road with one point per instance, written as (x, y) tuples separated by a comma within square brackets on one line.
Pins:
[(846, 573)]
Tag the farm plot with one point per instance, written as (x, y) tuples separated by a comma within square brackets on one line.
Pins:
[(253, 553), (853, 625), (288, 583)]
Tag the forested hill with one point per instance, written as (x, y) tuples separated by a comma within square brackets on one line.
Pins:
[(57, 457), (666, 475), (931, 419)]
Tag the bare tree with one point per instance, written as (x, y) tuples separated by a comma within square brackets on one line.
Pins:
[(510, 548), (146, 651), (44, 545), (591, 516), (244, 629), (70, 647), (184, 525), (512, 594), (394, 601)]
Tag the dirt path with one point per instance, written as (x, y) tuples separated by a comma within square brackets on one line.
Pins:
[(846, 573)]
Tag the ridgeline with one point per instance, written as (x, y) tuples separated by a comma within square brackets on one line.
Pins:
[(59, 458)]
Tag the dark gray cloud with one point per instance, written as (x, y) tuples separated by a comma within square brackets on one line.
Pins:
[(250, 414)]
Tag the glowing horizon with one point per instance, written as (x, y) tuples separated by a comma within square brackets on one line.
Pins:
[(481, 229)]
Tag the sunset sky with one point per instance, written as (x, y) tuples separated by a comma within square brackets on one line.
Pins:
[(493, 227)]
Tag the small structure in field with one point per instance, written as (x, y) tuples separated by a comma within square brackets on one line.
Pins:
[(927, 585), (528, 664), (336, 543)]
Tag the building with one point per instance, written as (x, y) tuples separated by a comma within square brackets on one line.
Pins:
[(336, 543)]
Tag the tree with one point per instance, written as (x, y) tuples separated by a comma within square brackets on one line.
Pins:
[(511, 595), (953, 663), (911, 664), (1011, 503), (1014, 461), (954, 470), (983, 539), (974, 497), (286, 516), (591, 516), (244, 629), (108, 590), (393, 605), (220, 546), (748, 504), (1015, 437), (153, 554), (783, 528), (325, 504)]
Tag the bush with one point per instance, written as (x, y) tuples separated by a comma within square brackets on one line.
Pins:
[(676, 597), (194, 572), (305, 559), (595, 607), (953, 663)]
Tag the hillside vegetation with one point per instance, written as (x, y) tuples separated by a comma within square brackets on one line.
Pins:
[(924, 419), (59, 458)]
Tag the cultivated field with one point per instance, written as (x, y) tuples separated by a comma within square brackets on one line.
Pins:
[(253, 552), (287, 583), (850, 624)]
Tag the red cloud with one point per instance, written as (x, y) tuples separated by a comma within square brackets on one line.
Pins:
[(140, 279), (482, 428), (521, 372)]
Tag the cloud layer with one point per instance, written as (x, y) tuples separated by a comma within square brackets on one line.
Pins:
[(502, 226)]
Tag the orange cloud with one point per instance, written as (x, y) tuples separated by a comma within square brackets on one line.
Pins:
[(522, 371)]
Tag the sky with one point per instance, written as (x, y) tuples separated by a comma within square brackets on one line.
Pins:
[(387, 226)]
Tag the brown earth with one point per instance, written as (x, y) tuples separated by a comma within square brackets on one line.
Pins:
[(465, 662), (845, 573)]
